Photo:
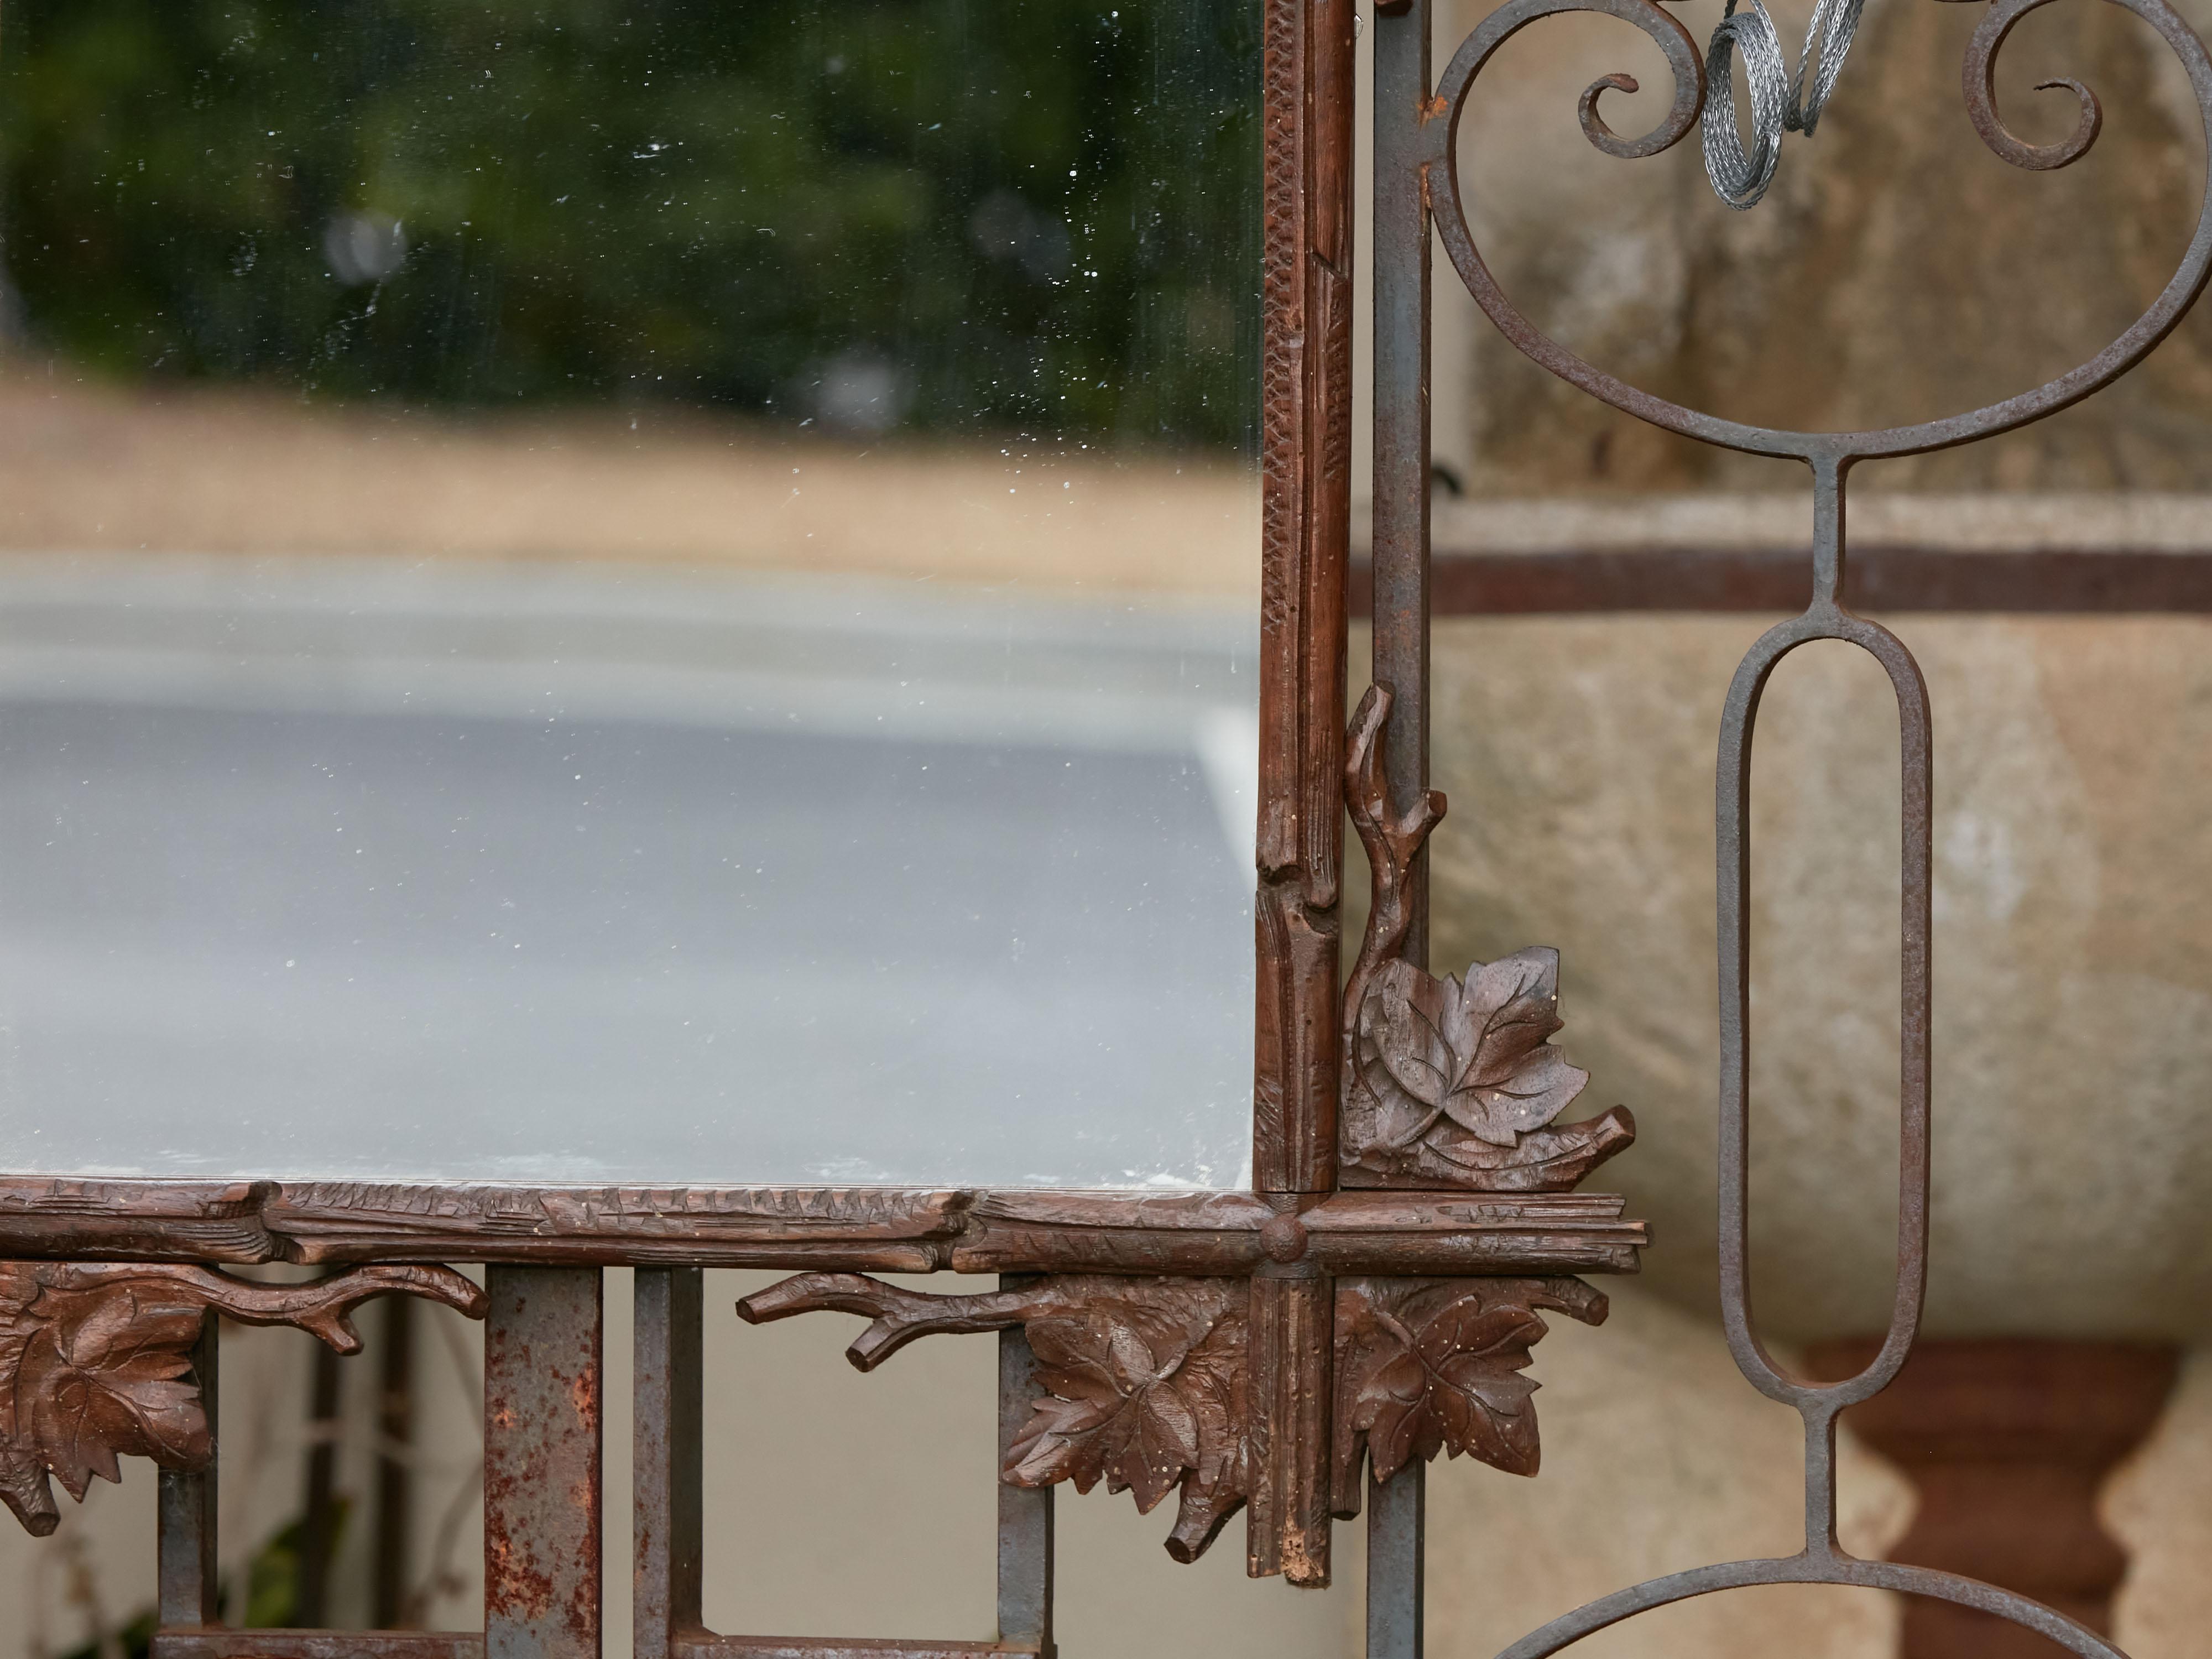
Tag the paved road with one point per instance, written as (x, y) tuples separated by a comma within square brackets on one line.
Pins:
[(285, 892)]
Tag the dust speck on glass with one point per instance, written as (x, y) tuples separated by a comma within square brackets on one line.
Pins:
[(658, 591)]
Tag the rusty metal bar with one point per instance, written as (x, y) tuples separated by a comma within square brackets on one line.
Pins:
[(1025, 1514), (1395, 581), (543, 1373), (665, 1463), (395, 1481), (318, 1527), (319, 1645), (1398, 563), (1396, 1521), (185, 1529), (2083, 581), (702, 1646)]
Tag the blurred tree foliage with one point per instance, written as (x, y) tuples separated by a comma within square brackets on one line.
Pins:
[(992, 214)]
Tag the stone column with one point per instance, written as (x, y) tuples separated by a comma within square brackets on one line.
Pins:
[(2007, 1441)]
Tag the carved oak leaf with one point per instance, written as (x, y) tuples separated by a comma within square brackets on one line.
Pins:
[(95, 1362), (1427, 1365), (1475, 1053)]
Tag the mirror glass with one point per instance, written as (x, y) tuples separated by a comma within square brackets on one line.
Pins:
[(656, 591)]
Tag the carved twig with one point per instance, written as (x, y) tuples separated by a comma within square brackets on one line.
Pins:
[(900, 1316), (1393, 841), (95, 1361)]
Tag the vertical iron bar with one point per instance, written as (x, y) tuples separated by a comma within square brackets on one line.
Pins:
[(187, 1598), (1820, 1540), (665, 1465), (1025, 1540), (542, 1341), (1400, 532), (1400, 539), (1395, 1564), (1828, 530), (395, 1481), (318, 1522)]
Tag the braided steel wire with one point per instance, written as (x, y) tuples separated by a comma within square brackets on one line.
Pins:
[(1740, 178), (1779, 102), (1835, 22)]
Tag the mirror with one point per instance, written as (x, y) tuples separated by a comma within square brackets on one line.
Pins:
[(662, 591)]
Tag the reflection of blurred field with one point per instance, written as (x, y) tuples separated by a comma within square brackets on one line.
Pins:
[(186, 468)]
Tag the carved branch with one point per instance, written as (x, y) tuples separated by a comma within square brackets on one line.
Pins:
[(900, 1316), (95, 1361), (1144, 1378), (1393, 840), (1444, 1082), (1426, 1365)]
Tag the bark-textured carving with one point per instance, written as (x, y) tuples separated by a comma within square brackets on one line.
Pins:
[(820, 1229), (1447, 1080), (1145, 1378), (892, 1229), (95, 1361), (1424, 1365)]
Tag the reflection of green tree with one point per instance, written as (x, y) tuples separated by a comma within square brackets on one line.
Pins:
[(1041, 216)]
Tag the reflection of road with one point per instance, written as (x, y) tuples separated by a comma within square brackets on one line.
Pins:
[(328, 870)]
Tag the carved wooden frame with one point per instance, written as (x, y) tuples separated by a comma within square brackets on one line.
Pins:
[(1359, 1302)]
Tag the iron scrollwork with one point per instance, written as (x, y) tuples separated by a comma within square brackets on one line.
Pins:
[(1831, 456)]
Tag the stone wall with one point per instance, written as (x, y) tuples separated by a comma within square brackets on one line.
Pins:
[(1896, 269), (2073, 988)]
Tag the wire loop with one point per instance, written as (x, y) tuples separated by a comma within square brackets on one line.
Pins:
[(1779, 102), (1741, 178)]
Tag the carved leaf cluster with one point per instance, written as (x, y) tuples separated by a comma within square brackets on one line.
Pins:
[(1145, 1390), (92, 1375), (95, 1361), (1458, 1081), (1144, 1378), (1427, 1366), (1477, 1053)]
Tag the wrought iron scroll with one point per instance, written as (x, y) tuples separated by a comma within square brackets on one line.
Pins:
[(1830, 456)]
